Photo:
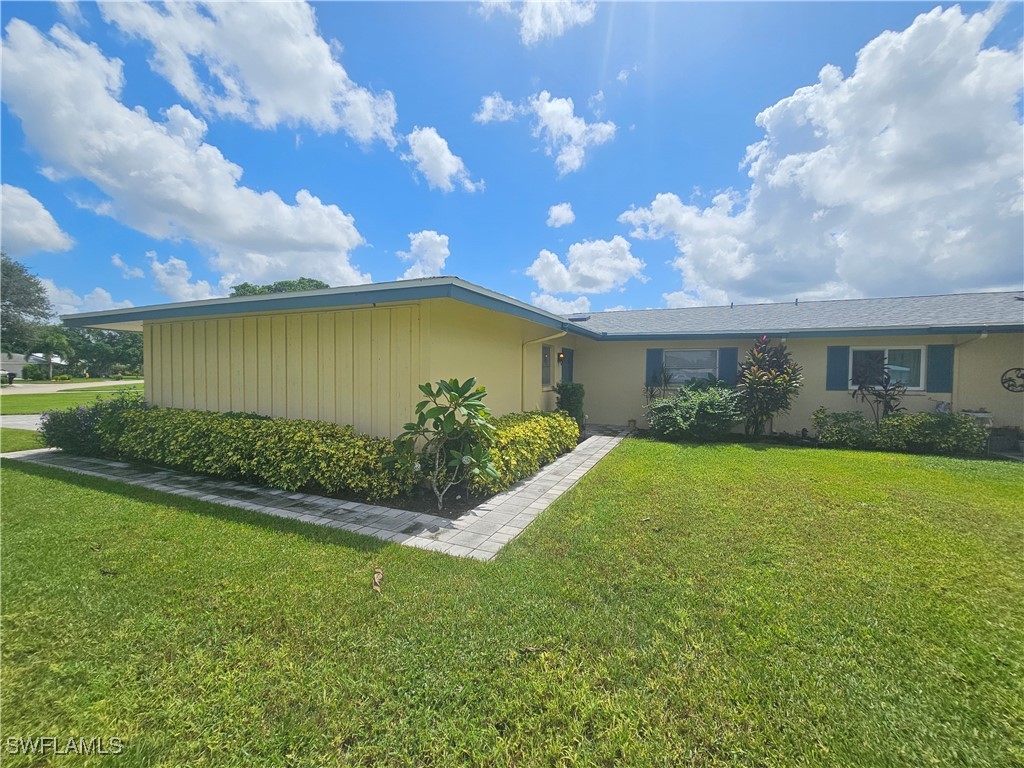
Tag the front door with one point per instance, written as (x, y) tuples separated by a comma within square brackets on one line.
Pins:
[(567, 366)]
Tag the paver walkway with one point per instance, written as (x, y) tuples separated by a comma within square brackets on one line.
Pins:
[(479, 533)]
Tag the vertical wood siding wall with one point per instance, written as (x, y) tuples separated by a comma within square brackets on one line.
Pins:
[(358, 367)]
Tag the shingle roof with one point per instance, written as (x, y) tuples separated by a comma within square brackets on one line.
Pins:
[(962, 310)]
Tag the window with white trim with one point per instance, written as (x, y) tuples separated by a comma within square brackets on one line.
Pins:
[(906, 364), (683, 365), (545, 366)]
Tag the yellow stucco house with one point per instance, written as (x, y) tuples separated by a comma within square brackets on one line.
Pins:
[(355, 355)]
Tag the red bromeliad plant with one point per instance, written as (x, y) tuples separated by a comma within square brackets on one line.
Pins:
[(767, 383)]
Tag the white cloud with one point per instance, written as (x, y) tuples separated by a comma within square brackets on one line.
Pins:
[(561, 214), (428, 252), (160, 177), (547, 19), (174, 278), (560, 306), (27, 227), (495, 109), (440, 167), (70, 11), (596, 104), (625, 74), (593, 266), (566, 135), (67, 302), (903, 177), (127, 272), (268, 63)]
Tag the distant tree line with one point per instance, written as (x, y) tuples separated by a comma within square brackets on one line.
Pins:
[(27, 328)]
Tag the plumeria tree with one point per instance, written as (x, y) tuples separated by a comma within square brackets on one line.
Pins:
[(453, 434)]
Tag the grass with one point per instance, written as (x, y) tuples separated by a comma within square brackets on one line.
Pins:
[(19, 440), (19, 404), (682, 606)]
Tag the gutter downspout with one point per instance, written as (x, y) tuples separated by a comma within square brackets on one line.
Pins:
[(955, 395), (522, 364)]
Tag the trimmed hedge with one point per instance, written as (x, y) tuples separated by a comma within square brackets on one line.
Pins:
[(523, 443), (79, 431), (847, 429), (292, 454), (949, 434)]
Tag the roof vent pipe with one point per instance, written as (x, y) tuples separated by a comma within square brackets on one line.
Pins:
[(796, 302)]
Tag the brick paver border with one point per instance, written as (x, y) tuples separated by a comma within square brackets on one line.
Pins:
[(480, 533)]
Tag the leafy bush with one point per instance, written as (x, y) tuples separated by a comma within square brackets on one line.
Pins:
[(767, 383), (522, 444), (954, 434), (281, 453), (33, 372), (702, 413), (570, 400), (848, 429), (455, 435), (937, 433), (62, 377), (88, 429)]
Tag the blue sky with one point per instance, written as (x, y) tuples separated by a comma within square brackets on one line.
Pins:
[(154, 154)]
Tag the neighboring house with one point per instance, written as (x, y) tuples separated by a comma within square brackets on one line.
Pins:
[(14, 362), (355, 355)]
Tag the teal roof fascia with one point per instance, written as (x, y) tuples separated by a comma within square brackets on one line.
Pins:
[(822, 334), (370, 296)]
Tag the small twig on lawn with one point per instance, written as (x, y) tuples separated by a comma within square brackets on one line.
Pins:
[(378, 577)]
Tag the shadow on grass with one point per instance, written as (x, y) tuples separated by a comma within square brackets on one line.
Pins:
[(310, 531)]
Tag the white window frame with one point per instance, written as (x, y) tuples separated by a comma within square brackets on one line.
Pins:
[(718, 361), (550, 366), (885, 350)]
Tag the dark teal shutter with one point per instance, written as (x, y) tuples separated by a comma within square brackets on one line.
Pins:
[(940, 368), (837, 372), (567, 365), (655, 362), (728, 360)]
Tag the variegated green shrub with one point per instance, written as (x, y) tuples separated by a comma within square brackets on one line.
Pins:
[(523, 443)]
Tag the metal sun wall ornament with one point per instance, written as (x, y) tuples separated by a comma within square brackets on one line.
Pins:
[(1013, 380)]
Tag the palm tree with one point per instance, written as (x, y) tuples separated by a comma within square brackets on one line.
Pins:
[(49, 344)]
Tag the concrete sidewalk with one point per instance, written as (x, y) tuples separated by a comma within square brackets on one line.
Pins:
[(49, 387), (28, 421), (480, 533)]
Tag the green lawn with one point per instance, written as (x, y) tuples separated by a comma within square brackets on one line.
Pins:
[(19, 440), (18, 404), (707, 606)]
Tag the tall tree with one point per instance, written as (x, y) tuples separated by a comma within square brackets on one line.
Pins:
[(23, 306), (50, 343), (281, 286), (101, 353)]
